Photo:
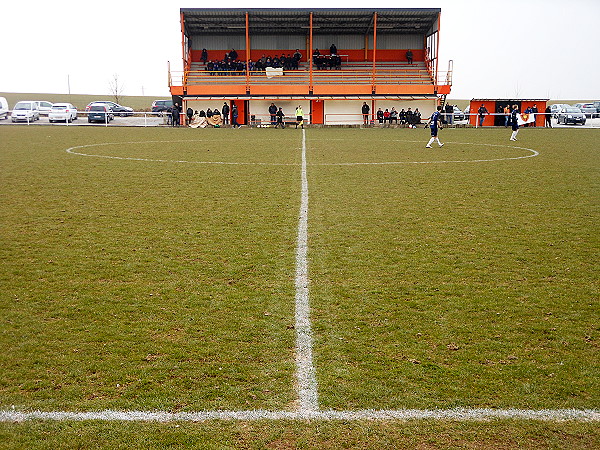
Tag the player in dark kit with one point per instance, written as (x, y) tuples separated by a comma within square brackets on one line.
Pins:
[(435, 124), (515, 122)]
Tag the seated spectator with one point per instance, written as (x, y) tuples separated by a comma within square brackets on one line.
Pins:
[(386, 116), (402, 116), (393, 115), (416, 117), (209, 113)]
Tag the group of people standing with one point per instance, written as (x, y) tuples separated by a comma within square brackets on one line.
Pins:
[(408, 117), (277, 115)]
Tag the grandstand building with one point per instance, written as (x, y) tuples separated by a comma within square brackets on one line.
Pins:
[(364, 57)]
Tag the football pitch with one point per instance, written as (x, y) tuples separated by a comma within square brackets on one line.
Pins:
[(319, 287)]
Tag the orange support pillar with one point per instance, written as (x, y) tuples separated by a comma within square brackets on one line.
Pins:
[(310, 84), (374, 49), (247, 54)]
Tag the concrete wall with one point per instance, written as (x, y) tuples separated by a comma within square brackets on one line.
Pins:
[(260, 108), (348, 112)]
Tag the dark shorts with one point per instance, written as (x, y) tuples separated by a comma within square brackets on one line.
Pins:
[(299, 118), (434, 131), (515, 126)]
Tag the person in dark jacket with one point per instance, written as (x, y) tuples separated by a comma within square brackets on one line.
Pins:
[(225, 111), (273, 113), (365, 113), (175, 115), (280, 116)]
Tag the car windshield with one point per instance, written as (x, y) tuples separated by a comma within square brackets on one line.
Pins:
[(23, 106)]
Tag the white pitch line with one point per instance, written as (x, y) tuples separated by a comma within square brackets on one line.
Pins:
[(456, 414), (305, 371)]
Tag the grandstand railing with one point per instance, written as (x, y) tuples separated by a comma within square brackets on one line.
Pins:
[(301, 77)]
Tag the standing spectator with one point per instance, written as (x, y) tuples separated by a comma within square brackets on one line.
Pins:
[(273, 113), (548, 115), (515, 123), (280, 117), (534, 111), (482, 111), (225, 111), (333, 50), (365, 113), (234, 116), (449, 113), (409, 56), (506, 113), (409, 118), (204, 56), (299, 117), (434, 125), (233, 54), (175, 114), (296, 59), (190, 113), (379, 115)]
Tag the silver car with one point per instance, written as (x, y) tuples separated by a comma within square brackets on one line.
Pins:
[(62, 111), (587, 108), (25, 111), (570, 114)]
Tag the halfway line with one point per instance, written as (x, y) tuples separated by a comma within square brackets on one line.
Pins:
[(305, 371)]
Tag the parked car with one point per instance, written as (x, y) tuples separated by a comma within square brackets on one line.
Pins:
[(597, 105), (62, 111), (572, 115), (555, 109), (27, 111), (587, 108), (458, 114), (44, 107), (3, 108), (116, 108), (161, 105), (100, 112)]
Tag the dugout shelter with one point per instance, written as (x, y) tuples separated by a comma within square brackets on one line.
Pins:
[(371, 61), (495, 118)]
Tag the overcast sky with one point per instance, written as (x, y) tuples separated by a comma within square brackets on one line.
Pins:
[(500, 49)]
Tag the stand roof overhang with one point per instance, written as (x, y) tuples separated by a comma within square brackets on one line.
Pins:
[(200, 21)]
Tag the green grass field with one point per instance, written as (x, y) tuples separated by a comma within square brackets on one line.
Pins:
[(157, 274)]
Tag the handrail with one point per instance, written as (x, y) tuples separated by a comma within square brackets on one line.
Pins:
[(382, 76)]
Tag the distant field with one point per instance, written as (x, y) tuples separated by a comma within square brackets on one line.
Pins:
[(154, 270)]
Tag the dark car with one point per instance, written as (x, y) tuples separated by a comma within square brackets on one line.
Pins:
[(572, 115), (117, 109), (100, 112), (161, 105)]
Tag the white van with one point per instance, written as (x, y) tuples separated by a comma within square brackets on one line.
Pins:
[(3, 108), (26, 111)]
